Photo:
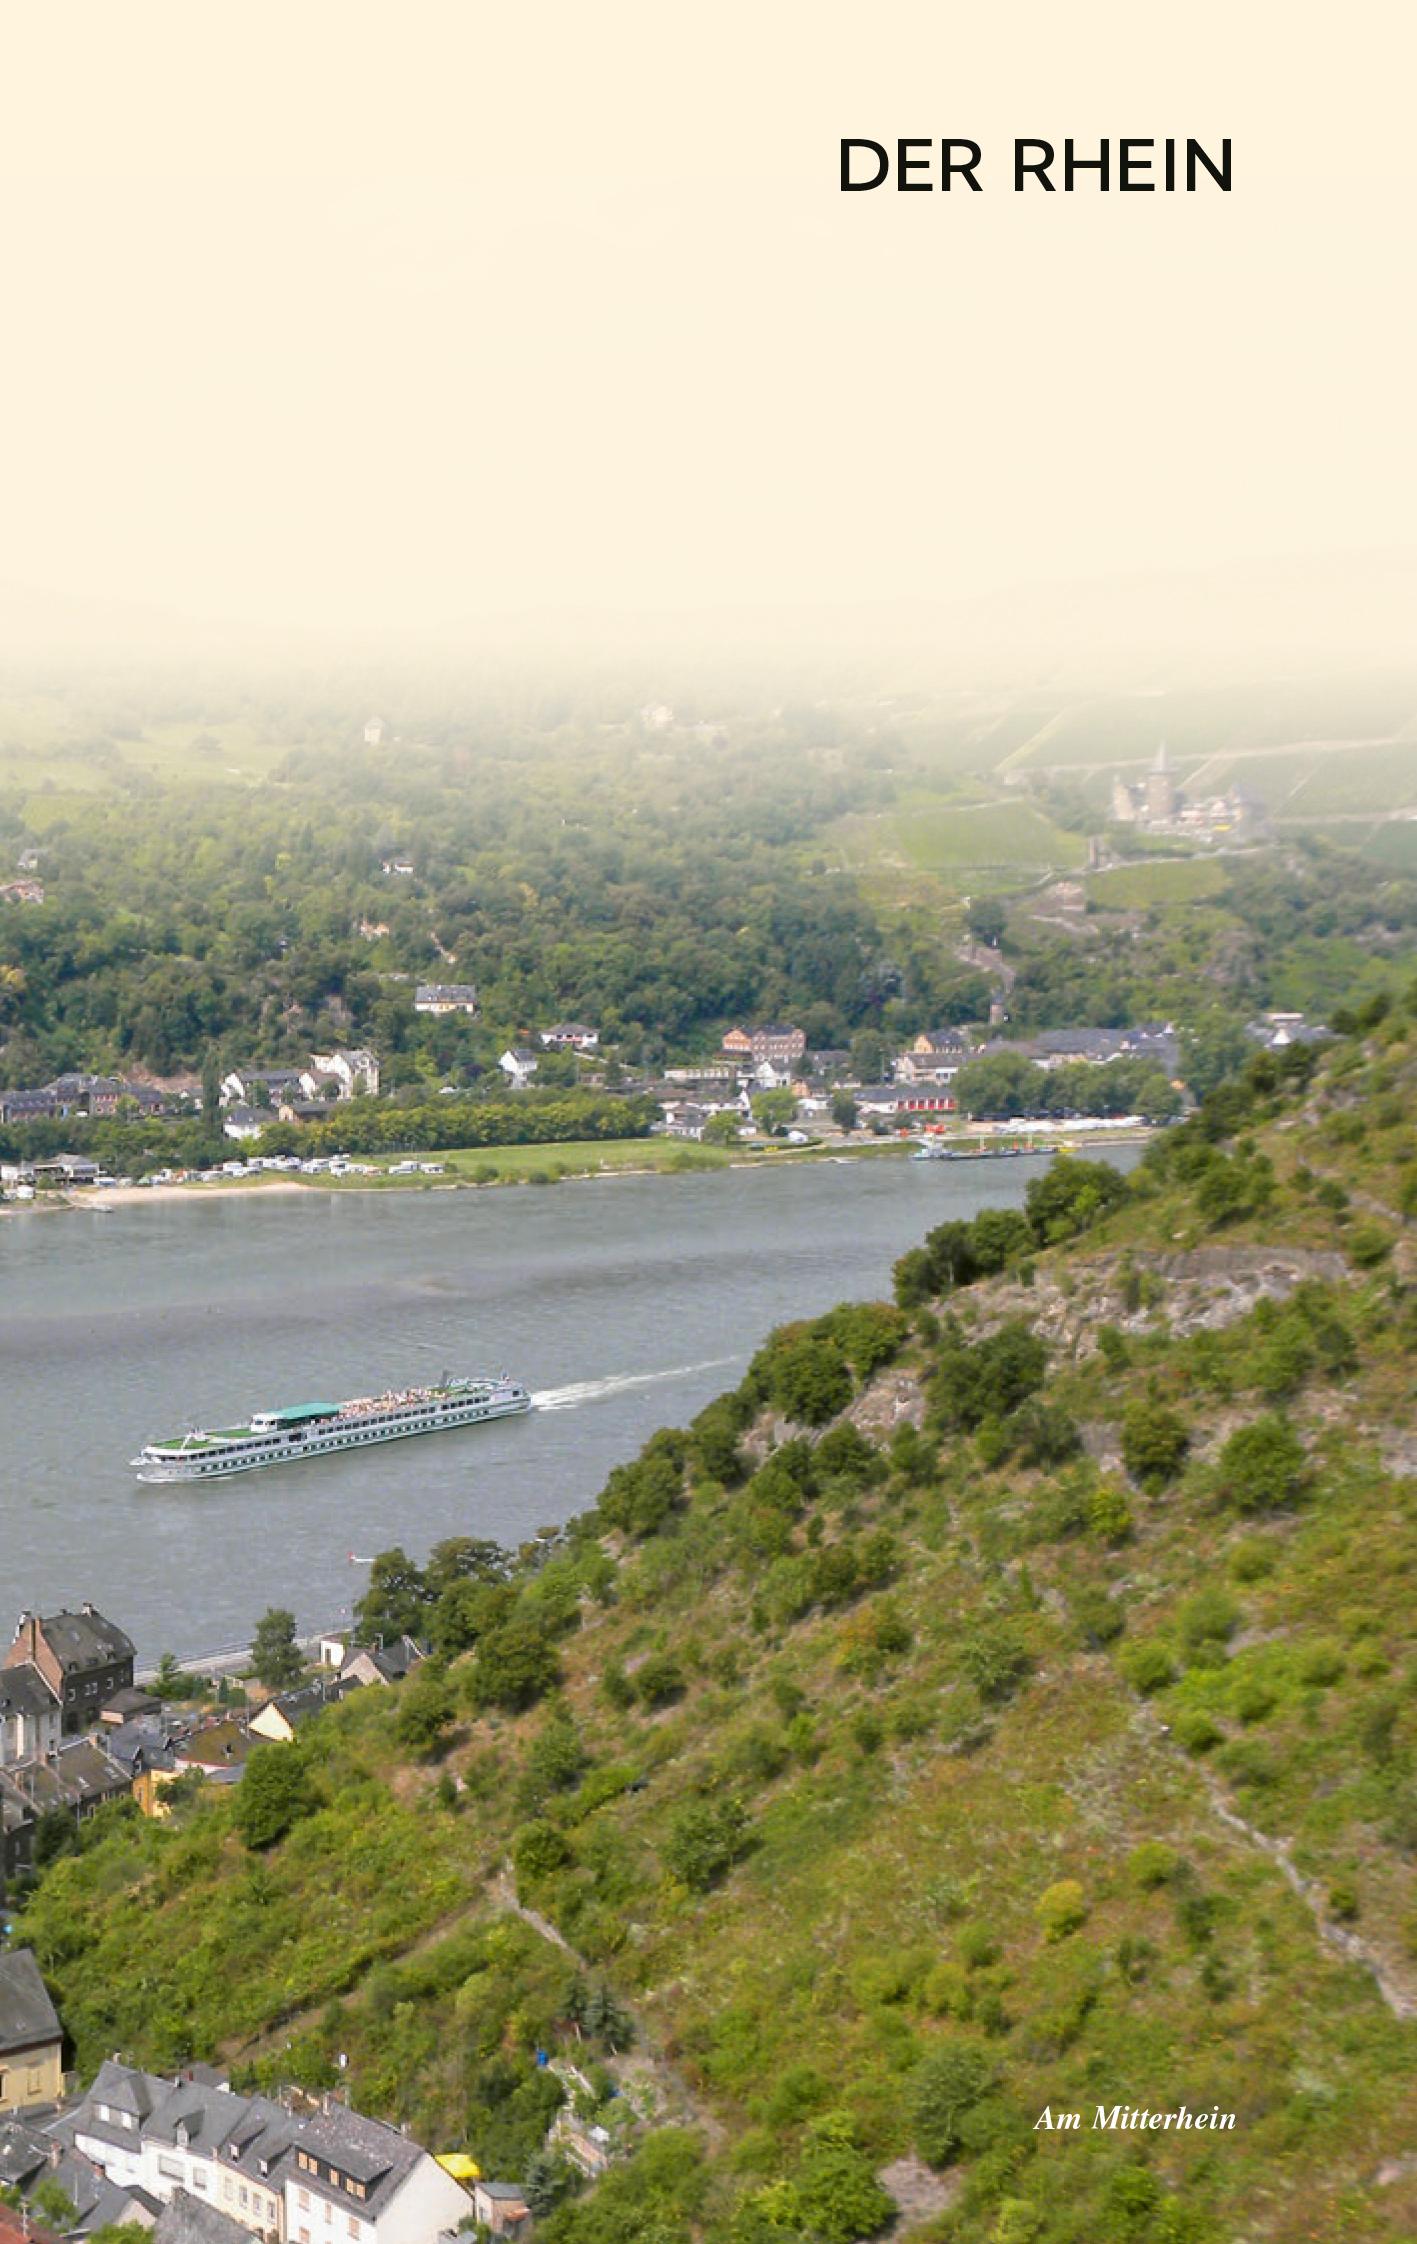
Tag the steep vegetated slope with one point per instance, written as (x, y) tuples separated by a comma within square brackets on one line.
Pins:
[(1001, 1704)]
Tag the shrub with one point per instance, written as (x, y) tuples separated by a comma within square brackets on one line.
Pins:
[(539, 1850), (1061, 1908), (1071, 1196), (947, 2086), (1208, 1618), (659, 1680), (1153, 1864), (1320, 1665), (1196, 1732), (1098, 1618), (1109, 1515), (1250, 1561), (1369, 1244), (994, 1659), (639, 1498), (1262, 1465), (705, 1839), (986, 1380), (513, 1667), (978, 1947), (1252, 1699), (868, 1333), (1154, 1443), (275, 1793), (844, 1454), (810, 1381), (840, 2198), (1148, 1667), (426, 1712)]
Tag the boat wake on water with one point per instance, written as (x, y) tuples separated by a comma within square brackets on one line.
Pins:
[(596, 1390)]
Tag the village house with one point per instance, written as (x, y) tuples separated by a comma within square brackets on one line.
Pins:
[(145, 1752), (519, 1065), (22, 892), (31, 1719), (783, 1047), (374, 733), (356, 1073), (379, 1664), (327, 2177), (935, 1056), (77, 1780), (445, 997), (82, 1657), (396, 868), (29, 2157), (501, 2207), (31, 2037), (265, 1087), (571, 1036), (281, 1717)]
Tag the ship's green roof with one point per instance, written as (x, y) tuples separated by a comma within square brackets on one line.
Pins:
[(296, 1413)]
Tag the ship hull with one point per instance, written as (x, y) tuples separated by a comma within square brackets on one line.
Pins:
[(156, 1468)]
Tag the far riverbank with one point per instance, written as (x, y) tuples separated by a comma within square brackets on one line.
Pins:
[(475, 1168)]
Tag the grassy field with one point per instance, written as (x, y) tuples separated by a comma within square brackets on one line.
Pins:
[(943, 839), (1169, 881)]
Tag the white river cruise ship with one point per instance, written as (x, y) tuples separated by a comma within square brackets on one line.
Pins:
[(277, 1437)]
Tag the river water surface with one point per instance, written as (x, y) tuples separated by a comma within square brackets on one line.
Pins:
[(624, 1303)]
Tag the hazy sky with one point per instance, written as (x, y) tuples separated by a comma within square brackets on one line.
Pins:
[(341, 315)]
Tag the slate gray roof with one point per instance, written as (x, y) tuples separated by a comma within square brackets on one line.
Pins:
[(311, 1698), (85, 1639), (363, 2149), (27, 2016), (23, 1690), (187, 2220), (204, 2117), (24, 2153)]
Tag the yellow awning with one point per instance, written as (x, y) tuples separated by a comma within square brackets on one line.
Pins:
[(460, 2166)]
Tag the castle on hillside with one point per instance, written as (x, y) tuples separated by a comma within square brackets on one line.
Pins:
[(1159, 806)]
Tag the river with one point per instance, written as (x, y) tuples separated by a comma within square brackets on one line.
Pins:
[(625, 1303)]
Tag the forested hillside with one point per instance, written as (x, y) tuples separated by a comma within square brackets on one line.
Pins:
[(1002, 1702), (236, 872)]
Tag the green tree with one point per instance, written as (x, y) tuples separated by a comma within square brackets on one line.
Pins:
[(514, 1666), (1154, 1443), (1071, 1196), (723, 1128), (212, 1124), (946, 2089), (426, 1711), (276, 1659), (810, 1379), (1262, 1465), (1000, 1086), (988, 918), (275, 1793), (774, 1111), (705, 1839), (396, 1600), (844, 1111)]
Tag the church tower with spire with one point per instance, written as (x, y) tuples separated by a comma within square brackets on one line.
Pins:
[(1163, 798)]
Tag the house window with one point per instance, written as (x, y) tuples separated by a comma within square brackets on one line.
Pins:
[(303, 2196), (355, 2228)]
